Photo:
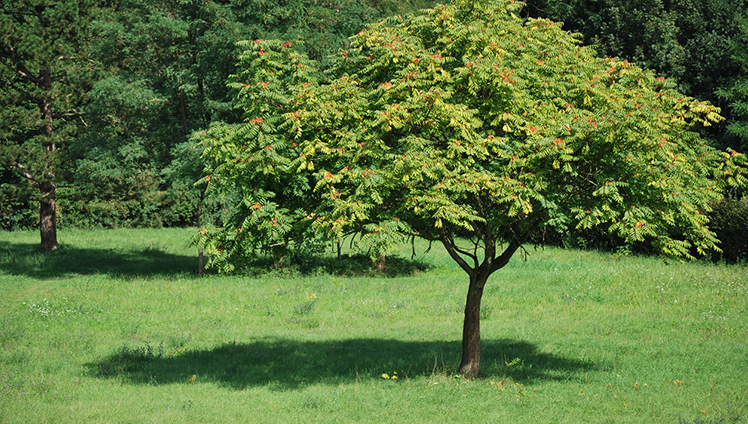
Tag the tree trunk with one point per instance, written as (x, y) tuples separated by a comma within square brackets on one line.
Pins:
[(479, 274), (471, 328), (48, 202), (183, 110), (379, 264), (198, 223), (48, 216)]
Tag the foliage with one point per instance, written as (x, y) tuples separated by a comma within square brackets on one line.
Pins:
[(687, 40), (324, 26), (737, 93), (729, 220), (160, 61), (424, 135), (465, 122), (257, 222), (16, 211), (139, 78)]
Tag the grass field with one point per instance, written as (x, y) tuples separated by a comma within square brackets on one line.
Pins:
[(116, 327)]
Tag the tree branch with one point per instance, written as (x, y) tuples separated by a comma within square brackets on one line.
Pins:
[(454, 252), (518, 239), (22, 171), (473, 256), (423, 236), (506, 255), (74, 113), (20, 68), (22, 91)]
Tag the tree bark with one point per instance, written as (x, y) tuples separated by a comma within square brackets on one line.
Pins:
[(471, 351), (379, 264), (48, 202), (470, 364), (198, 223), (48, 216)]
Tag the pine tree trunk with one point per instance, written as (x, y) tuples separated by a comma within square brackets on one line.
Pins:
[(48, 202), (48, 216), (470, 364)]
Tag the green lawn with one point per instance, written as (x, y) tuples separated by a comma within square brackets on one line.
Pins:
[(115, 326)]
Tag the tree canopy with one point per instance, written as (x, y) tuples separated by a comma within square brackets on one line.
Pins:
[(469, 126)]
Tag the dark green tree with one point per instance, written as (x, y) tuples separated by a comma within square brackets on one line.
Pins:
[(44, 75), (162, 61), (736, 93)]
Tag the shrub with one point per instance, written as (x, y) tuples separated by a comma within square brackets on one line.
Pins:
[(729, 220)]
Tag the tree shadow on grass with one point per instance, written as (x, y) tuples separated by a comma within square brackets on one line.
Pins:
[(27, 259), (285, 364), (355, 265)]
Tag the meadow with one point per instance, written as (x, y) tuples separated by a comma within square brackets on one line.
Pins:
[(116, 326)]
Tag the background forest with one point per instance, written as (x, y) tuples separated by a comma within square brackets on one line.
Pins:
[(100, 99)]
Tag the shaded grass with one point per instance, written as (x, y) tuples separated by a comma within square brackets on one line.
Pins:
[(286, 364), (354, 265), (568, 336), (160, 253), (120, 253)]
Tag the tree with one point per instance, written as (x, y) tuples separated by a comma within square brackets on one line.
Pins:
[(736, 93), (157, 86), (43, 75), (467, 126)]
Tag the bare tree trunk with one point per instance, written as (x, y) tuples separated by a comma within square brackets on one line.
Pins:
[(470, 364), (48, 202), (48, 216), (183, 109), (379, 264), (479, 274), (200, 261)]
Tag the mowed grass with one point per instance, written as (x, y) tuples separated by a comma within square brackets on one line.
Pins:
[(116, 327)]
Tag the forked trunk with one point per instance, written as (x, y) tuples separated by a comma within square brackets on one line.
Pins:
[(48, 216), (479, 274), (471, 328)]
